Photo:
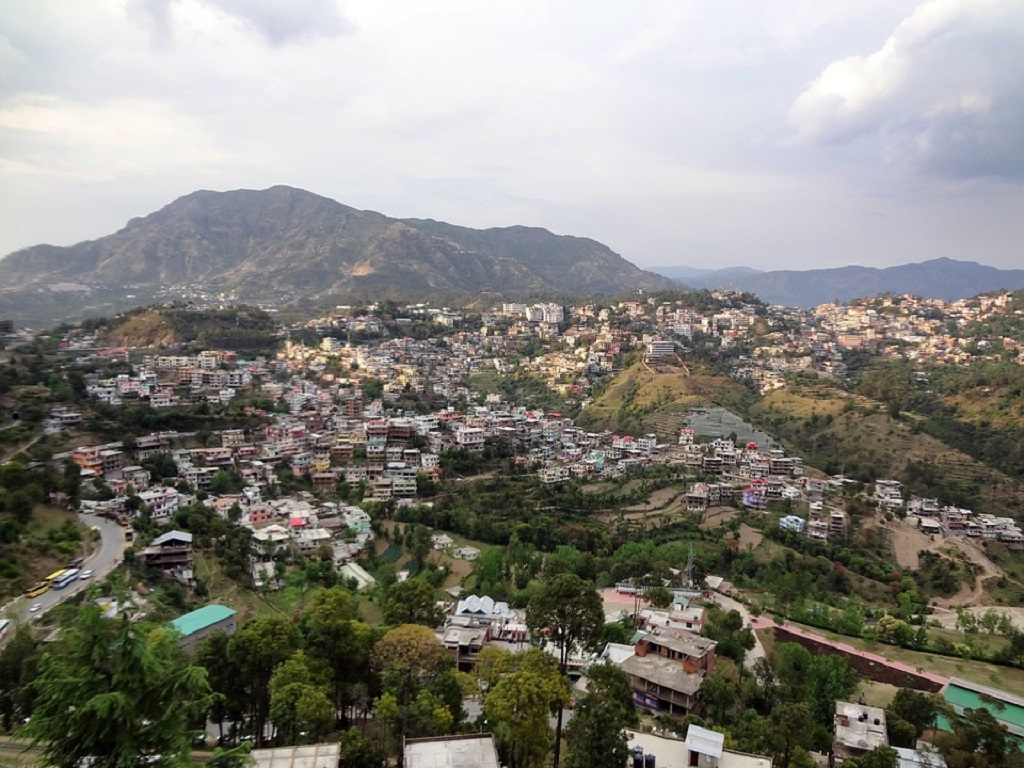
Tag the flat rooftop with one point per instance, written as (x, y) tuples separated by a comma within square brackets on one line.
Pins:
[(309, 756), (469, 751)]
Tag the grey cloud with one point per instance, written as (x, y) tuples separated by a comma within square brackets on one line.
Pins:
[(943, 95), (284, 21), (279, 22)]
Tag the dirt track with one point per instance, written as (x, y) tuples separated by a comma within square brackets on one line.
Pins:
[(907, 541)]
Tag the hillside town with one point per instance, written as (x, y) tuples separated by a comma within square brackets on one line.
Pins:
[(362, 415)]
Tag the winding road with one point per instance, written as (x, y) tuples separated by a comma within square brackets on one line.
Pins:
[(101, 562)]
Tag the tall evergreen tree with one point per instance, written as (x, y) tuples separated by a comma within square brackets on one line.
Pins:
[(115, 691)]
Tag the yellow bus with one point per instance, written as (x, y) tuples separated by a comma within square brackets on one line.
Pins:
[(37, 590), (48, 581)]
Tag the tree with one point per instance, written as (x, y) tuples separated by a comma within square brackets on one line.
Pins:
[(791, 725), (659, 597), (229, 702), (880, 757), (918, 709), (333, 635), (115, 691), (297, 705), (518, 708), (829, 679), (18, 665), (408, 659), (719, 692), (234, 757), (412, 602), (596, 736), (358, 751), (570, 613), (978, 741), (256, 649)]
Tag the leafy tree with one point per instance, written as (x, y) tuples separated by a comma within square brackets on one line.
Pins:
[(115, 691), (570, 613), (880, 757), (918, 709), (978, 741), (229, 695), (792, 669), (518, 708), (233, 757), (659, 597), (408, 659), (790, 728), (256, 649), (595, 736), (297, 706), (359, 752), (412, 602), (719, 692), (829, 679), (333, 635)]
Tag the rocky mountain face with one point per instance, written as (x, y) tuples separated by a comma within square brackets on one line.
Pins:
[(284, 244), (947, 279)]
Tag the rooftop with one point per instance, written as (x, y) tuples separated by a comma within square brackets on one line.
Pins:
[(310, 756), (860, 727), (679, 640), (470, 751), (673, 752), (201, 618), (1005, 707), (667, 673)]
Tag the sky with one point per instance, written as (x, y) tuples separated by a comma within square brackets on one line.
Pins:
[(775, 134)]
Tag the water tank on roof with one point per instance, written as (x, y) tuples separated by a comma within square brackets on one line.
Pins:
[(638, 757), (649, 760)]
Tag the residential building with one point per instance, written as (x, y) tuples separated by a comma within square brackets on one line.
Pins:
[(857, 729), (702, 748), (171, 553), (667, 669)]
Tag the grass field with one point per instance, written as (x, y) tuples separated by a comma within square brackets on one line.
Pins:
[(1004, 678), (249, 604)]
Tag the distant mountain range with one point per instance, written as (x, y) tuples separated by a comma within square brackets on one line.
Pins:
[(286, 245), (935, 279)]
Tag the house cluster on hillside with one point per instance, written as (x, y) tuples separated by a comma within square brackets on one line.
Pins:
[(932, 517)]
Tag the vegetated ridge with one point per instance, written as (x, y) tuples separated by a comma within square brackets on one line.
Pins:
[(642, 398), (283, 244), (943, 278), (236, 328)]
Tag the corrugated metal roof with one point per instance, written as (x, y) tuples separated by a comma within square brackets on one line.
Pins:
[(201, 618)]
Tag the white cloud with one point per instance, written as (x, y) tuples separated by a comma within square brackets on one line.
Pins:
[(944, 94), (54, 137)]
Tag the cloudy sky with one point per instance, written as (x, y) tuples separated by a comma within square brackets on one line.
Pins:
[(775, 134)]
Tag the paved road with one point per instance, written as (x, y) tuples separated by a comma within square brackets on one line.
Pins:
[(101, 562)]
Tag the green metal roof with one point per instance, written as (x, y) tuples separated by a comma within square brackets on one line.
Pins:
[(201, 618), (1005, 707)]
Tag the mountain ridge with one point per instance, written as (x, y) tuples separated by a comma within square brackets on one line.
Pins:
[(939, 278), (284, 243)]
